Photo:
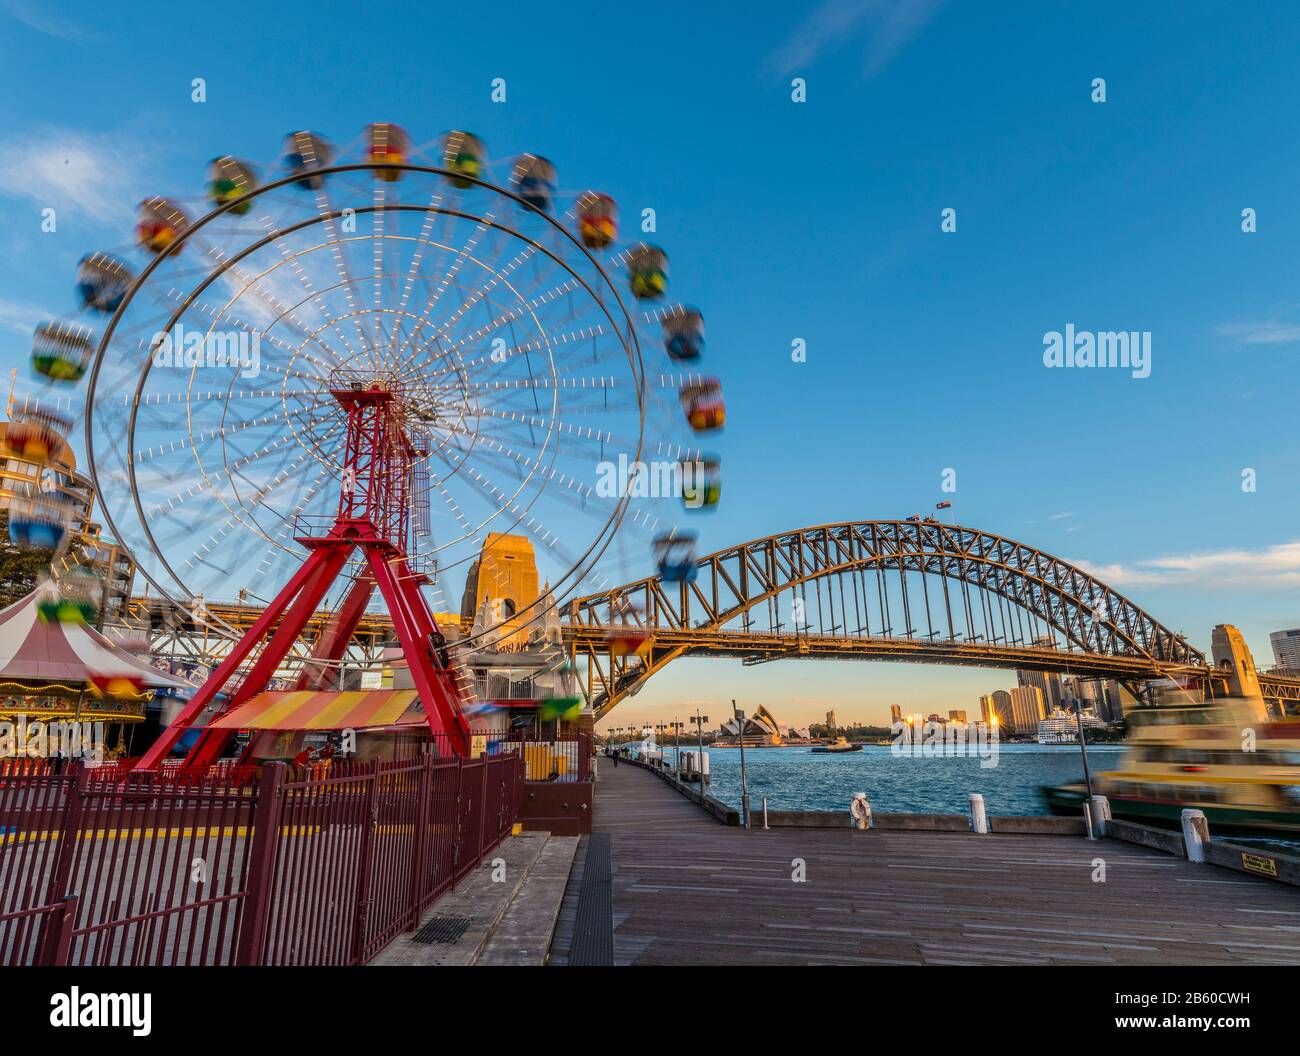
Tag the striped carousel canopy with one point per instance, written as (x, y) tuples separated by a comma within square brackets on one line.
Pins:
[(310, 710), (66, 654)]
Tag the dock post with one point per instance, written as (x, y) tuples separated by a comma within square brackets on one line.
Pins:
[(1196, 833), (765, 812), (979, 820), (1097, 811), (860, 811)]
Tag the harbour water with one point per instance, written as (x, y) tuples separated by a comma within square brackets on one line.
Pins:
[(797, 779)]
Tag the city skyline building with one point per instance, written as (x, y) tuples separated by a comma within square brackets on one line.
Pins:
[(1286, 648), (1027, 710), (1047, 682), (995, 709)]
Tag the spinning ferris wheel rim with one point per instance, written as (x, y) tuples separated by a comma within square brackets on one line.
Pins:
[(231, 262), (626, 335)]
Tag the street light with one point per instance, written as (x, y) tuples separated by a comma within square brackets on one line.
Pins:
[(700, 720), (744, 784)]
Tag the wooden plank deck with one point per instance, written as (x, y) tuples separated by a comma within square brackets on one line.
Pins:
[(687, 890)]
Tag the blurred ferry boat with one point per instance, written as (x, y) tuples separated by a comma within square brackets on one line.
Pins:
[(840, 744), (1227, 759)]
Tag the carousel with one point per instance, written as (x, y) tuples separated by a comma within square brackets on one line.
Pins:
[(55, 667)]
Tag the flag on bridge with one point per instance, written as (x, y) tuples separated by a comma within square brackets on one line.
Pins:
[(942, 505)]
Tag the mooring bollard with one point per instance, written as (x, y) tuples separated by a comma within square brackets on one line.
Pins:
[(765, 812), (1196, 833), (860, 811), (1097, 814), (979, 821)]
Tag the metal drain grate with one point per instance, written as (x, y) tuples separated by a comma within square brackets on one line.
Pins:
[(445, 930), (593, 926)]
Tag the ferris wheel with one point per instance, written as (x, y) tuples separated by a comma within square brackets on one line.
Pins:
[(534, 355)]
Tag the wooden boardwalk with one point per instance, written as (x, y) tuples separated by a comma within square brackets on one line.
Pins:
[(688, 890)]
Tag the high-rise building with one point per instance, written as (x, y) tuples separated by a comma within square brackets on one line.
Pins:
[(995, 709), (957, 716), (832, 724), (1048, 683), (895, 713), (1027, 709), (1286, 648)]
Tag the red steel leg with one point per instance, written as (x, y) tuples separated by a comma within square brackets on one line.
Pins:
[(333, 557), (160, 749), (435, 685)]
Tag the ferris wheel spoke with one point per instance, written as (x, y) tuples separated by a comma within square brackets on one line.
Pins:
[(423, 243), (254, 284), (266, 564), (327, 213), (500, 359), (261, 334), (179, 498), (233, 519), (294, 261), (498, 265), (526, 307), (173, 446), (449, 276)]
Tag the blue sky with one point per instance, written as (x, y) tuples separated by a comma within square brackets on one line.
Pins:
[(818, 221)]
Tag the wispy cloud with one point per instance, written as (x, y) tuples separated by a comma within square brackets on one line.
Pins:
[(98, 176), (886, 26), (1262, 332), (1274, 567), (1061, 516), (42, 21), (22, 318)]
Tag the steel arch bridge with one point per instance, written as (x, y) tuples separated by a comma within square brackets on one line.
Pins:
[(910, 590)]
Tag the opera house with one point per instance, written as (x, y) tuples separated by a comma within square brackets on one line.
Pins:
[(761, 731)]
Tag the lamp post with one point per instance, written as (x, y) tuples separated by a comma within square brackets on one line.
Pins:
[(700, 720), (744, 784), (1083, 744)]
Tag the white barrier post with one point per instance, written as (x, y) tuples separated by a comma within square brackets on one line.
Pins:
[(765, 812), (1098, 814), (1196, 833), (979, 821)]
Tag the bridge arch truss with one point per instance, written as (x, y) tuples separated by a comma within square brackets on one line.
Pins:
[(922, 591)]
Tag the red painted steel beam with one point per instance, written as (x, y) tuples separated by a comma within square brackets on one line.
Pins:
[(435, 684), (161, 748), (333, 556)]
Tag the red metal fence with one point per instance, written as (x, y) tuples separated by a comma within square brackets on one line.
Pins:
[(103, 867)]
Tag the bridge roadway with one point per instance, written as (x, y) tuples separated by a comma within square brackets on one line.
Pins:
[(689, 890)]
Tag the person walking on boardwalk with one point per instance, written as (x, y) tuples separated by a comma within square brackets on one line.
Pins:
[(617, 753)]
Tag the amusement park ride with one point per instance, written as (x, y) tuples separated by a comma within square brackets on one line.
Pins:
[(339, 382), (373, 516)]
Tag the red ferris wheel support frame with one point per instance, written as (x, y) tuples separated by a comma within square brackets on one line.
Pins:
[(374, 517)]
